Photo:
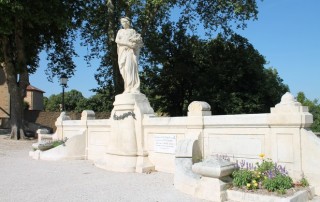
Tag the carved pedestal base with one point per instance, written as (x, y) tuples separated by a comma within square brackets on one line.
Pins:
[(126, 150)]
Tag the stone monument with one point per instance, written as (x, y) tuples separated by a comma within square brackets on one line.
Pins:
[(126, 151)]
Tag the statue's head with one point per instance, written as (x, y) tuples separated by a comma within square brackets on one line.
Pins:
[(125, 22)]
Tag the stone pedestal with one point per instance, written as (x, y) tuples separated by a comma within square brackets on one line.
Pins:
[(126, 150), (213, 189), (215, 178)]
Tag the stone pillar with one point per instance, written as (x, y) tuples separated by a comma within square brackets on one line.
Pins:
[(59, 124), (87, 115), (126, 150), (195, 124), (286, 121)]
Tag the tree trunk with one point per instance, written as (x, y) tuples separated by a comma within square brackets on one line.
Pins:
[(17, 77), (16, 118), (111, 44), (16, 103)]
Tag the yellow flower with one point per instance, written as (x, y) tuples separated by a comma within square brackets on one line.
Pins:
[(258, 176), (254, 181), (265, 177), (248, 185), (255, 184), (262, 155)]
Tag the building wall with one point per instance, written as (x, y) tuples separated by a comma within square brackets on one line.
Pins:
[(35, 100), (28, 99)]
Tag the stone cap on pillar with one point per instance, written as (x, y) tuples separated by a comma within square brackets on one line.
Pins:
[(88, 115), (63, 116), (290, 112), (199, 108)]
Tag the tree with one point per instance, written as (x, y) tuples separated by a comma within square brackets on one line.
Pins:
[(26, 28), (100, 102), (73, 99), (314, 109), (228, 73), (148, 16)]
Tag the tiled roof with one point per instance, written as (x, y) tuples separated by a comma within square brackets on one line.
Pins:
[(32, 88)]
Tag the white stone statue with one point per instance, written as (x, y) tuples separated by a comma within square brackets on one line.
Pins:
[(129, 43)]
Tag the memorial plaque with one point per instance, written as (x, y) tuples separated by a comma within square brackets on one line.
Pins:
[(165, 143)]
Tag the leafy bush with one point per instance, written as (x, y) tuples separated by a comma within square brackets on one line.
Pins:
[(241, 177), (57, 143), (278, 183), (304, 182), (265, 166)]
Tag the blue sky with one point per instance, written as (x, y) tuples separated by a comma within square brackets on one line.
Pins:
[(287, 33)]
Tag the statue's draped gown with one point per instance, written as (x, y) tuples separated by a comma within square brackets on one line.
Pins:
[(128, 61)]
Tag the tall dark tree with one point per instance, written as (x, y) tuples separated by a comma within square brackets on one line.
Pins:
[(26, 28), (102, 24), (228, 73)]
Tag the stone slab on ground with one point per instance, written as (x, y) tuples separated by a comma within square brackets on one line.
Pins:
[(25, 179)]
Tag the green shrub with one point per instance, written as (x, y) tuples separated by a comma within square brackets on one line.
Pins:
[(57, 143), (265, 166), (242, 177), (278, 183), (304, 182)]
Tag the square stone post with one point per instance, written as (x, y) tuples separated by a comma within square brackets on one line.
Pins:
[(286, 121)]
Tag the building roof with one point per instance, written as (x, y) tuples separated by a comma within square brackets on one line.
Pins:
[(32, 88)]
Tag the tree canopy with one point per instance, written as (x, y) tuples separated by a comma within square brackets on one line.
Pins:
[(26, 28), (228, 73), (178, 67), (148, 16), (76, 102)]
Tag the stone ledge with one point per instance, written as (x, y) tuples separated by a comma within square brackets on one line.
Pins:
[(239, 196)]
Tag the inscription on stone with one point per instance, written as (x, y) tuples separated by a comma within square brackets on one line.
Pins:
[(165, 143)]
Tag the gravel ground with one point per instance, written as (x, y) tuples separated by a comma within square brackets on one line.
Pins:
[(25, 179)]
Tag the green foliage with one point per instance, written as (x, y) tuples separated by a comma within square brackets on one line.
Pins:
[(76, 102), (242, 177), (266, 174), (314, 109), (53, 103), (58, 143), (72, 100), (149, 18), (265, 165), (221, 72), (26, 105), (51, 144), (98, 103), (304, 182), (278, 183), (26, 29)]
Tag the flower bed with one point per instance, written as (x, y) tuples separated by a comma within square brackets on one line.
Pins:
[(265, 181)]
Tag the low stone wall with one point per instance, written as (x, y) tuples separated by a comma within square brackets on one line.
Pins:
[(281, 135), (47, 119)]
